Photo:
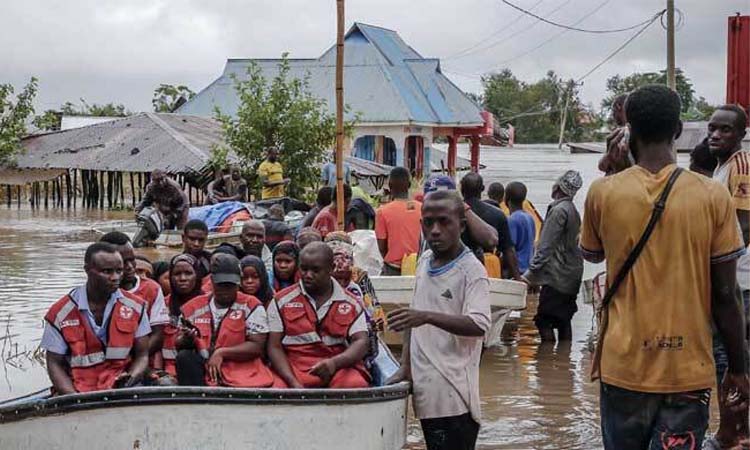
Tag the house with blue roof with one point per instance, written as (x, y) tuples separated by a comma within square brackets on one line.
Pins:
[(403, 100)]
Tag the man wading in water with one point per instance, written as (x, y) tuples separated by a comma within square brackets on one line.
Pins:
[(654, 356), (444, 327)]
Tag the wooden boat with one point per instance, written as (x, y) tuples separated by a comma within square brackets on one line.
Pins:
[(505, 296), (173, 238), (206, 418)]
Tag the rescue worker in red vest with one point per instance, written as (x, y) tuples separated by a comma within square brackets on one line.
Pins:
[(148, 290), (97, 336), (318, 332), (223, 335)]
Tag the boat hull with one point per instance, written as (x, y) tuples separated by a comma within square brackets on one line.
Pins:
[(505, 296), (210, 418)]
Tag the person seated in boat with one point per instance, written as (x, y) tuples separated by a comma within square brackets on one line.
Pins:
[(235, 186), (161, 276), (285, 272), (167, 195), (97, 336), (223, 335), (322, 200), (357, 283), (215, 189), (327, 221), (144, 288), (143, 267), (184, 286), (307, 235), (253, 240), (276, 228), (318, 332), (255, 279), (194, 237)]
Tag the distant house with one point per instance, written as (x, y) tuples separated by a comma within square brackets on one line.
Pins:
[(403, 99)]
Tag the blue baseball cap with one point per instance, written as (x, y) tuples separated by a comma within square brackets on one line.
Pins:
[(439, 183)]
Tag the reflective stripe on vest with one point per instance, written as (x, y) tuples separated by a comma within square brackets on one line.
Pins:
[(130, 303), (168, 353), (330, 341), (199, 312), (63, 313), (204, 353), (118, 352), (87, 360), (302, 339), (296, 292)]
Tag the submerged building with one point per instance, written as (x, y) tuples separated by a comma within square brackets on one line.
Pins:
[(402, 100)]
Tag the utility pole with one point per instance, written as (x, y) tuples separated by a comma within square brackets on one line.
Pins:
[(340, 113), (564, 118), (671, 80)]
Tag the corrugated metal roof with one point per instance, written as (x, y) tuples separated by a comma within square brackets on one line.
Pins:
[(139, 143), (385, 81)]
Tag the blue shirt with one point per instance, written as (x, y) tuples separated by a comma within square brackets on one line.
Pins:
[(523, 233), (328, 174), (53, 341)]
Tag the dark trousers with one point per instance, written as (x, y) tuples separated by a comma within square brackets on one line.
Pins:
[(390, 271), (645, 421), (450, 433), (191, 369)]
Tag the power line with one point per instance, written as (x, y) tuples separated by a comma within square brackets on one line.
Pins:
[(512, 35), (553, 37), (619, 49), (500, 30), (582, 30)]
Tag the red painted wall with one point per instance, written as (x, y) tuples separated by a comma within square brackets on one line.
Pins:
[(738, 61)]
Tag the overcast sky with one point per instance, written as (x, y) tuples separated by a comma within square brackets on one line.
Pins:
[(120, 51)]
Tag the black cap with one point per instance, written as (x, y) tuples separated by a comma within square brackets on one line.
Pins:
[(225, 268)]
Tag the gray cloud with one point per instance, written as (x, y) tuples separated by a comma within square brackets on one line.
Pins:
[(120, 51)]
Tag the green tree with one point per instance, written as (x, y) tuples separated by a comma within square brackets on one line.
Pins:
[(49, 121), (95, 109), (701, 110), (13, 118), (617, 85), (281, 112), (535, 109), (167, 97)]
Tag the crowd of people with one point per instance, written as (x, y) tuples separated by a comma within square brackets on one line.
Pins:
[(289, 308)]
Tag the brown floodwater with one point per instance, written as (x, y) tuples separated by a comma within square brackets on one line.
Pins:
[(533, 396)]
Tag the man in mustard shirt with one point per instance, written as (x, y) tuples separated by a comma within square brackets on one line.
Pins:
[(657, 367), (272, 176)]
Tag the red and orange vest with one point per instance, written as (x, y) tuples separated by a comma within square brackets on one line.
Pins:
[(93, 365), (306, 340), (231, 332), (148, 290)]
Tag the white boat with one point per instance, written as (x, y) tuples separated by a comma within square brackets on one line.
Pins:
[(203, 418), (505, 296)]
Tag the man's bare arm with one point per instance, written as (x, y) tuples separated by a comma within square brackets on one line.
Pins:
[(57, 369)]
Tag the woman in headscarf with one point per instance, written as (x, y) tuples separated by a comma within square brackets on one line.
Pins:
[(255, 279), (185, 286), (345, 274), (285, 259), (345, 264)]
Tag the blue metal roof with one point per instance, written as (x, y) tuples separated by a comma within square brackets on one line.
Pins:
[(385, 81)]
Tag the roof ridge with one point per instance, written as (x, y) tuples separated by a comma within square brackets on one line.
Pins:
[(114, 119), (177, 136)]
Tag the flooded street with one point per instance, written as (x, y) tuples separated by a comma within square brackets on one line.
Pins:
[(534, 396)]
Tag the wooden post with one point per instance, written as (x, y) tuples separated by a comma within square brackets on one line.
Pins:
[(101, 190), (121, 184), (75, 188), (132, 188), (140, 186), (110, 188), (340, 113), (564, 117), (68, 191), (9, 194)]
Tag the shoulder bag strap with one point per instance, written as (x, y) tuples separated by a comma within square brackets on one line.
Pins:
[(636, 252)]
